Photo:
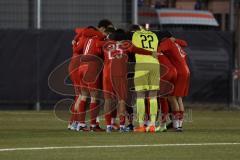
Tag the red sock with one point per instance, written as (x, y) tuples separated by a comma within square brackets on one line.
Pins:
[(93, 113), (75, 116), (175, 115), (114, 113), (164, 109), (181, 115), (122, 119), (108, 118), (82, 111), (97, 124)]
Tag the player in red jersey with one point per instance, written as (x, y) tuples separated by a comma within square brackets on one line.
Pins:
[(177, 56), (73, 72), (89, 76), (79, 45), (74, 67), (186, 72), (167, 82)]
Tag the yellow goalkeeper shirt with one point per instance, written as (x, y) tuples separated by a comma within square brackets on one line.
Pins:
[(146, 40), (146, 76)]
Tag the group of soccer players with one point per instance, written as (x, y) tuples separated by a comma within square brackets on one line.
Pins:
[(120, 70)]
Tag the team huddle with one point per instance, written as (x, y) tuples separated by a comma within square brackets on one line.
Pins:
[(134, 72)]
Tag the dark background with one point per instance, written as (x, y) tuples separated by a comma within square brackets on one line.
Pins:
[(27, 57)]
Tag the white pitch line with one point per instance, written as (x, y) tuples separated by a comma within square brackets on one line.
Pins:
[(117, 146)]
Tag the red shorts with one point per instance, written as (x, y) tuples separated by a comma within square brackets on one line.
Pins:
[(182, 82), (170, 75), (88, 82), (114, 86), (74, 77), (168, 71)]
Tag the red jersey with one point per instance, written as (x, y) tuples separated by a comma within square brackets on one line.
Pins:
[(182, 43), (174, 52), (166, 66), (177, 56), (115, 55), (91, 52), (168, 75), (115, 58), (75, 60), (84, 44)]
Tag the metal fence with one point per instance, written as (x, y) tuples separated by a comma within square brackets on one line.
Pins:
[(69, 14), (62, 14)]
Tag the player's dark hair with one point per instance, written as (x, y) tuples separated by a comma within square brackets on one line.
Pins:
[(118, 35), (92, 27), (104, 23), (119, 30), (110, 30), (164, 35), (134, 27)]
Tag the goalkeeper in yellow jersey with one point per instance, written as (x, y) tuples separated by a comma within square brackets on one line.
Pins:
[(146, 78)]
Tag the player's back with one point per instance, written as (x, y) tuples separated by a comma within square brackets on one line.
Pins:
[(91, 52), (115, 56), (173, 51), (146, 40)]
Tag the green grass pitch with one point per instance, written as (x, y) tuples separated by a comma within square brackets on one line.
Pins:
[(27, 129)]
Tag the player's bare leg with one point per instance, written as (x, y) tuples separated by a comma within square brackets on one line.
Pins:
[(77, 103)]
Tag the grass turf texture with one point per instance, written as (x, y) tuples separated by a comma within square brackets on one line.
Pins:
[(42, 129)]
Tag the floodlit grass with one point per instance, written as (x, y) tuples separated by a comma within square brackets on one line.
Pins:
[(41, 129)]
